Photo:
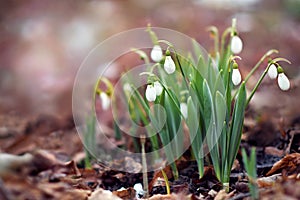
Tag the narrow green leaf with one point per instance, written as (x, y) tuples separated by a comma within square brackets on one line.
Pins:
[(237, 124), (195, 134)]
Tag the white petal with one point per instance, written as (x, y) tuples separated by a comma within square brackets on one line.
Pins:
[(272, 72), (169, 65), (156, 53), (150, 93), (127, 87), (158, 88), (184, 110), (283, 82), (236, 76), (236, 44), (138, 187), (105, 101)]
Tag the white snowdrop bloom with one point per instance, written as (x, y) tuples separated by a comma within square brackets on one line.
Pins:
[(156, 53), (283, 82), (272, 72), (236, 44), (236, 76), (105, 100), (184, 109), (169, 65), (138, 187), (158, 88), (127, 87), (150, 93)]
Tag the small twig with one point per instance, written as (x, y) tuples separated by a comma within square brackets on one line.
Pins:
[(144, 164)]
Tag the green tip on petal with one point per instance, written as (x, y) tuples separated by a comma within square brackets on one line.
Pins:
[(280, 69), (168, 53), (235, 65)]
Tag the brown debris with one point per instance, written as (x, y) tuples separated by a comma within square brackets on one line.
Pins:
[(288, 165)]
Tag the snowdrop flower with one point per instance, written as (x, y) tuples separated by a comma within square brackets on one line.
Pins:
[(169, 64), (138, 187), (236, 44), (283, 82), (150, 93), (184, 109), (236, 75), (104, 100), (272, 72), (127, 87), (156, 53), (158, 88)]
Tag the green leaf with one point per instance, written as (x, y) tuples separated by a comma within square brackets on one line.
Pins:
[(195, 134), (237, 124), (212, 129), (174, 121)]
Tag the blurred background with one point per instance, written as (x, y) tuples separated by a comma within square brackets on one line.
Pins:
[(43, 42)]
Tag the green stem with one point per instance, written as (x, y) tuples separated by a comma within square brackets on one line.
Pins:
[(258, 84), (223, 38), (214, 31), (256, 67), (259, 62)]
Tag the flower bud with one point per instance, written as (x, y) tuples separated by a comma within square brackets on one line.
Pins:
[(156, 53), (169, 65), (158, 88), (236, 76), (236, 44), (105, 100), (184, 110), (283, 82), (150, 93), (272, 72)]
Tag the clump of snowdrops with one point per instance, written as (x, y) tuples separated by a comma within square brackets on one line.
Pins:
[(207, 95)]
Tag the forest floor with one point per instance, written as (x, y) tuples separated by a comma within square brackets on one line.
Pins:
[(42, 158)]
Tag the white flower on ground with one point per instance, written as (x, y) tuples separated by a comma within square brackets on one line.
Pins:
[(283, 82), (169, 65), (156, 53), (236, 44), (184, 109), (150, 93), (236, 76), (272, 72), (158, 88), (105, 100), (138, 187)]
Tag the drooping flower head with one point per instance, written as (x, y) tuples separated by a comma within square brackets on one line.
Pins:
[(272, 72), (236, 75), (105, 100), (156, 53), (158, 88), (169, 64), (236, 44), (150, 93), (283, 81)]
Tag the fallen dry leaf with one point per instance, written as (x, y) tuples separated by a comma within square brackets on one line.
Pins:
[(223, 195), (128, 193), (288, 165), (11, 163), (103, 194), (180, 196), (268, 181)]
